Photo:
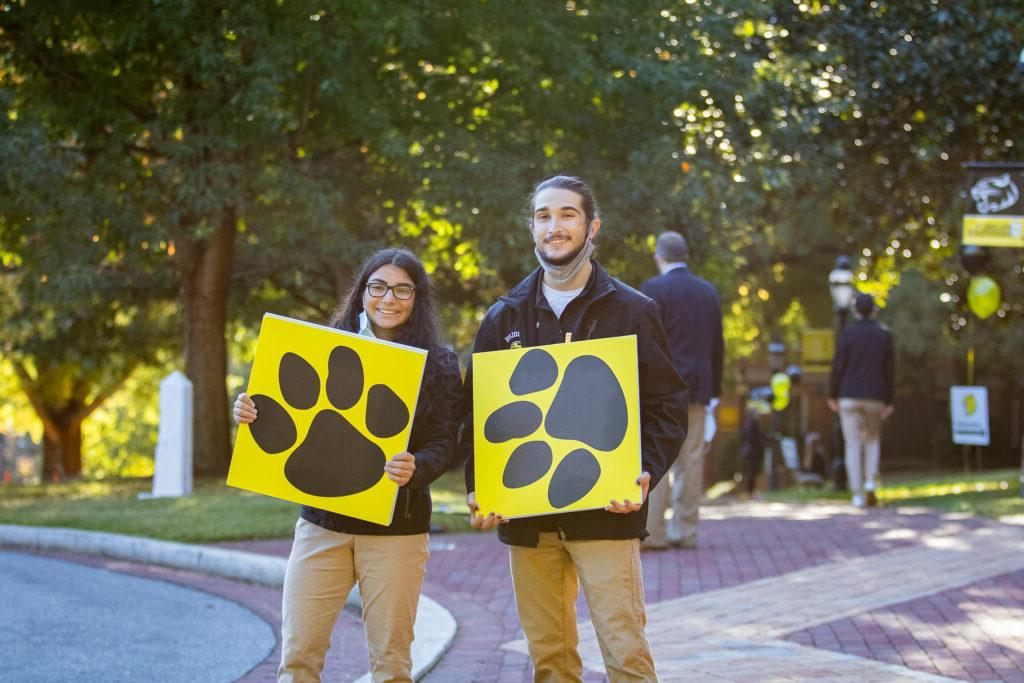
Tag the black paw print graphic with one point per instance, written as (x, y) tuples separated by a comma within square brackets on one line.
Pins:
[(589, 408), (334, 458)]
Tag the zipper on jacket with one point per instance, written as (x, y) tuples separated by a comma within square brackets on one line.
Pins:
[(408, 503), (561, 533)]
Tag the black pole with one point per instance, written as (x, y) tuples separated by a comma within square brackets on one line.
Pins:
[(776, 362), (839, 481), (773, 474)]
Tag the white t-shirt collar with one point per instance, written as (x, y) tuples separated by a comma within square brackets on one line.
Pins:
[(365, 329), (673, 266), (558, 299)]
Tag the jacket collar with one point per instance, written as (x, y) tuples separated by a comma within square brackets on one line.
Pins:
[(599, 284)]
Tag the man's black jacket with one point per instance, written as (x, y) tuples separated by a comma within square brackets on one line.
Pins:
[(432, 442), (692, 318), (864, 364), (605, 308)]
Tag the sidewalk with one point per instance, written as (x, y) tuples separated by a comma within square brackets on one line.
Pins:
[(777, 592), (773, 592)]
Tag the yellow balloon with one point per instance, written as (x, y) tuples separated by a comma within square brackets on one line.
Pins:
[(780, 403), (781, 384), (983, 296)]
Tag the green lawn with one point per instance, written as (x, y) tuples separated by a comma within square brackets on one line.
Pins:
[(219, 513), (215, 512), (992, 493)]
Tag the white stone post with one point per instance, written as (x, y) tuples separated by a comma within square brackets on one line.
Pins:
[(172, 473)]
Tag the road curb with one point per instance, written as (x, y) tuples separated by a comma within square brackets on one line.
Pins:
[(435, 626)]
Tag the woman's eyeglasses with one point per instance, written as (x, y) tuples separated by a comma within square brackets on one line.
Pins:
[(379, 290)]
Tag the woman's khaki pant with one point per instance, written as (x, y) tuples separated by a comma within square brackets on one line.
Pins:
[(322, 568)]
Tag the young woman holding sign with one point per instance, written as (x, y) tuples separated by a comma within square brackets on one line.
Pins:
[(391, 299)]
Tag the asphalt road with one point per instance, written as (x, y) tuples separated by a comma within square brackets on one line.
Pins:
[(62, 621)]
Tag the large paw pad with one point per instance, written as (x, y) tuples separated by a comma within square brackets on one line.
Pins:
[(335, 458), (589, 407)]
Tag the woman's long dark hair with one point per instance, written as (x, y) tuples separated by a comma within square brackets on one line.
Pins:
[(422, 329)]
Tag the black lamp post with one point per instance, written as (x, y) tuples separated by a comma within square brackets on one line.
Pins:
[(840, 286), (776, 361), (776, 355), (975, 260)]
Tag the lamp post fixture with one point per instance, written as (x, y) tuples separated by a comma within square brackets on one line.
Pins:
[(840, 286)]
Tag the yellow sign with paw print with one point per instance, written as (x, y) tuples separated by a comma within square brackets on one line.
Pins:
[(556, 428), (332, 407)]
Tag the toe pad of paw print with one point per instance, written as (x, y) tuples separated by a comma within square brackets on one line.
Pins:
[(328, 417), (569, 423)]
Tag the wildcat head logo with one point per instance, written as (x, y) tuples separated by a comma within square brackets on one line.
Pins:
[(995, 193), (970, 403)]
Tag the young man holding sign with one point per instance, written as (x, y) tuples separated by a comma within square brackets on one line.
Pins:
[(570, 297)]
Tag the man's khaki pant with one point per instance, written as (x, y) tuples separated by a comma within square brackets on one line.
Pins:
[(683, 487), (547, 580), (861, 420), (322, 568)]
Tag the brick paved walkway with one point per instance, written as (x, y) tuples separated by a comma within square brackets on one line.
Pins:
[(733, 633), (773, 593), (776, 592), (975, 632)]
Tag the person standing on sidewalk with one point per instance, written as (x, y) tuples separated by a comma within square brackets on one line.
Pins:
[(862, 385), (391, 299), (550, 555), (692, 317)]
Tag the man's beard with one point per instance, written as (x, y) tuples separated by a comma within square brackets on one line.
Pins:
[(562, 260), (565, 269)]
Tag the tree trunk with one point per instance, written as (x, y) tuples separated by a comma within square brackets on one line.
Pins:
[(62, 423), (205, 269), (62, 447), (71, 446), (53, 466)]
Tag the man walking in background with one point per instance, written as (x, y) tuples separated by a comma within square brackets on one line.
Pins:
[(692, 317), (861, 391)]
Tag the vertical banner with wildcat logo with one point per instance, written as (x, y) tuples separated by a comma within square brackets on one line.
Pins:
[(332, 407), (556, 428), (995, 207)]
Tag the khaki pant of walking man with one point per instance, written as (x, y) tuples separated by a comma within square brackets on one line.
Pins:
[(547, 582), (861, 420), (683, 486), (322, 568)]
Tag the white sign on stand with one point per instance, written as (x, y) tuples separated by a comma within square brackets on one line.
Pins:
[(968, 407), (172, 473)]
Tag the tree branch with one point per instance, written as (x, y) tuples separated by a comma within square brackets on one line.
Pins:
[(301, 297), (36, 400), (88, 409)]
